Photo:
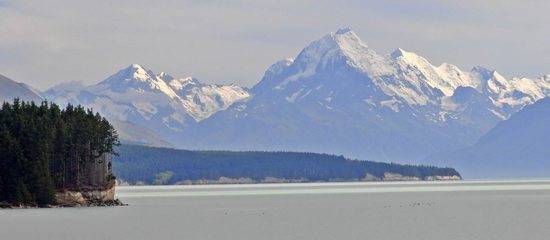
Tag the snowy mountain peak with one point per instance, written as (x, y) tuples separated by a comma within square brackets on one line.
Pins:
[(344, 30), (399, 52), (410, 57), (360, 56), (179, 84), (136, 78), (131, 73), (335, 49), (406, 76), (445, 77), (165, 77), (490, 79), (342, 42), (138, 72), (488, 74), (136, 66), (347, 40)]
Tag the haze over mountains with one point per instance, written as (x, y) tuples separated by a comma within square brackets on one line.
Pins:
[(337, 96), (340, 96), (518, 147), (150, 108), (10, 89)]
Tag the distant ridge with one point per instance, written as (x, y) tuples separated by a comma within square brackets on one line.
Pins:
[(10, 90), (516, 148)]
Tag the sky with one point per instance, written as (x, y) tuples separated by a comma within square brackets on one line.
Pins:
[(44, 43)]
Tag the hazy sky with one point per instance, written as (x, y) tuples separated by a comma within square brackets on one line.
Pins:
[(43, 43)]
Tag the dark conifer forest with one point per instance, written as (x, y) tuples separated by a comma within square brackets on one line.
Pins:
[(45, 149), (150, 164)]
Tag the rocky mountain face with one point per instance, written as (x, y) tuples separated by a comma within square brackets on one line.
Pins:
[(9, 90), (337, 96), (340, 96), (150, 108), (515, 148)]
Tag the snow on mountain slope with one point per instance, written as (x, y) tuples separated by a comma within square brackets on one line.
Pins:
[(445, 77), (201, 100), (139, 97), (146, 91), (339, 96), (517, 147), (9, 90)]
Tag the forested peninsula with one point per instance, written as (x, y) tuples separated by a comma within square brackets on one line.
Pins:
[(55, 157), (138, 165)]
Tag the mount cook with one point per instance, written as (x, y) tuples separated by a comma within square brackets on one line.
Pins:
[(337, 96)]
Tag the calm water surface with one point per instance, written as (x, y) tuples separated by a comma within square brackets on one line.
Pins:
[(506, 209)]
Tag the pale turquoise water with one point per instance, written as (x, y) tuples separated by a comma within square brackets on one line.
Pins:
[(512, 209)]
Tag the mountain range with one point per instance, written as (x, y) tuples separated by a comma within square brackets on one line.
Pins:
[(517, 147), (336, 96), (149, 108), (340, 96)]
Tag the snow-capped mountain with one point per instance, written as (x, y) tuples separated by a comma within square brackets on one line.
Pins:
[(9, 90), (340, 96), (515, 148), (136, 98), (337, 96)]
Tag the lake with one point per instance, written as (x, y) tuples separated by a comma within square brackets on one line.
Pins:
[(498, 209)]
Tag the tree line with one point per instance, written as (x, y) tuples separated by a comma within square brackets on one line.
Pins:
[(146, 164), (45, 149)]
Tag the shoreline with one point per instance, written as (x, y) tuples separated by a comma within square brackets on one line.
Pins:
[(86, 196), (113, 203), (388, 177)]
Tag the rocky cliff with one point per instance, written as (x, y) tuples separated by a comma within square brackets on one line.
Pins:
[(88, 197)]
